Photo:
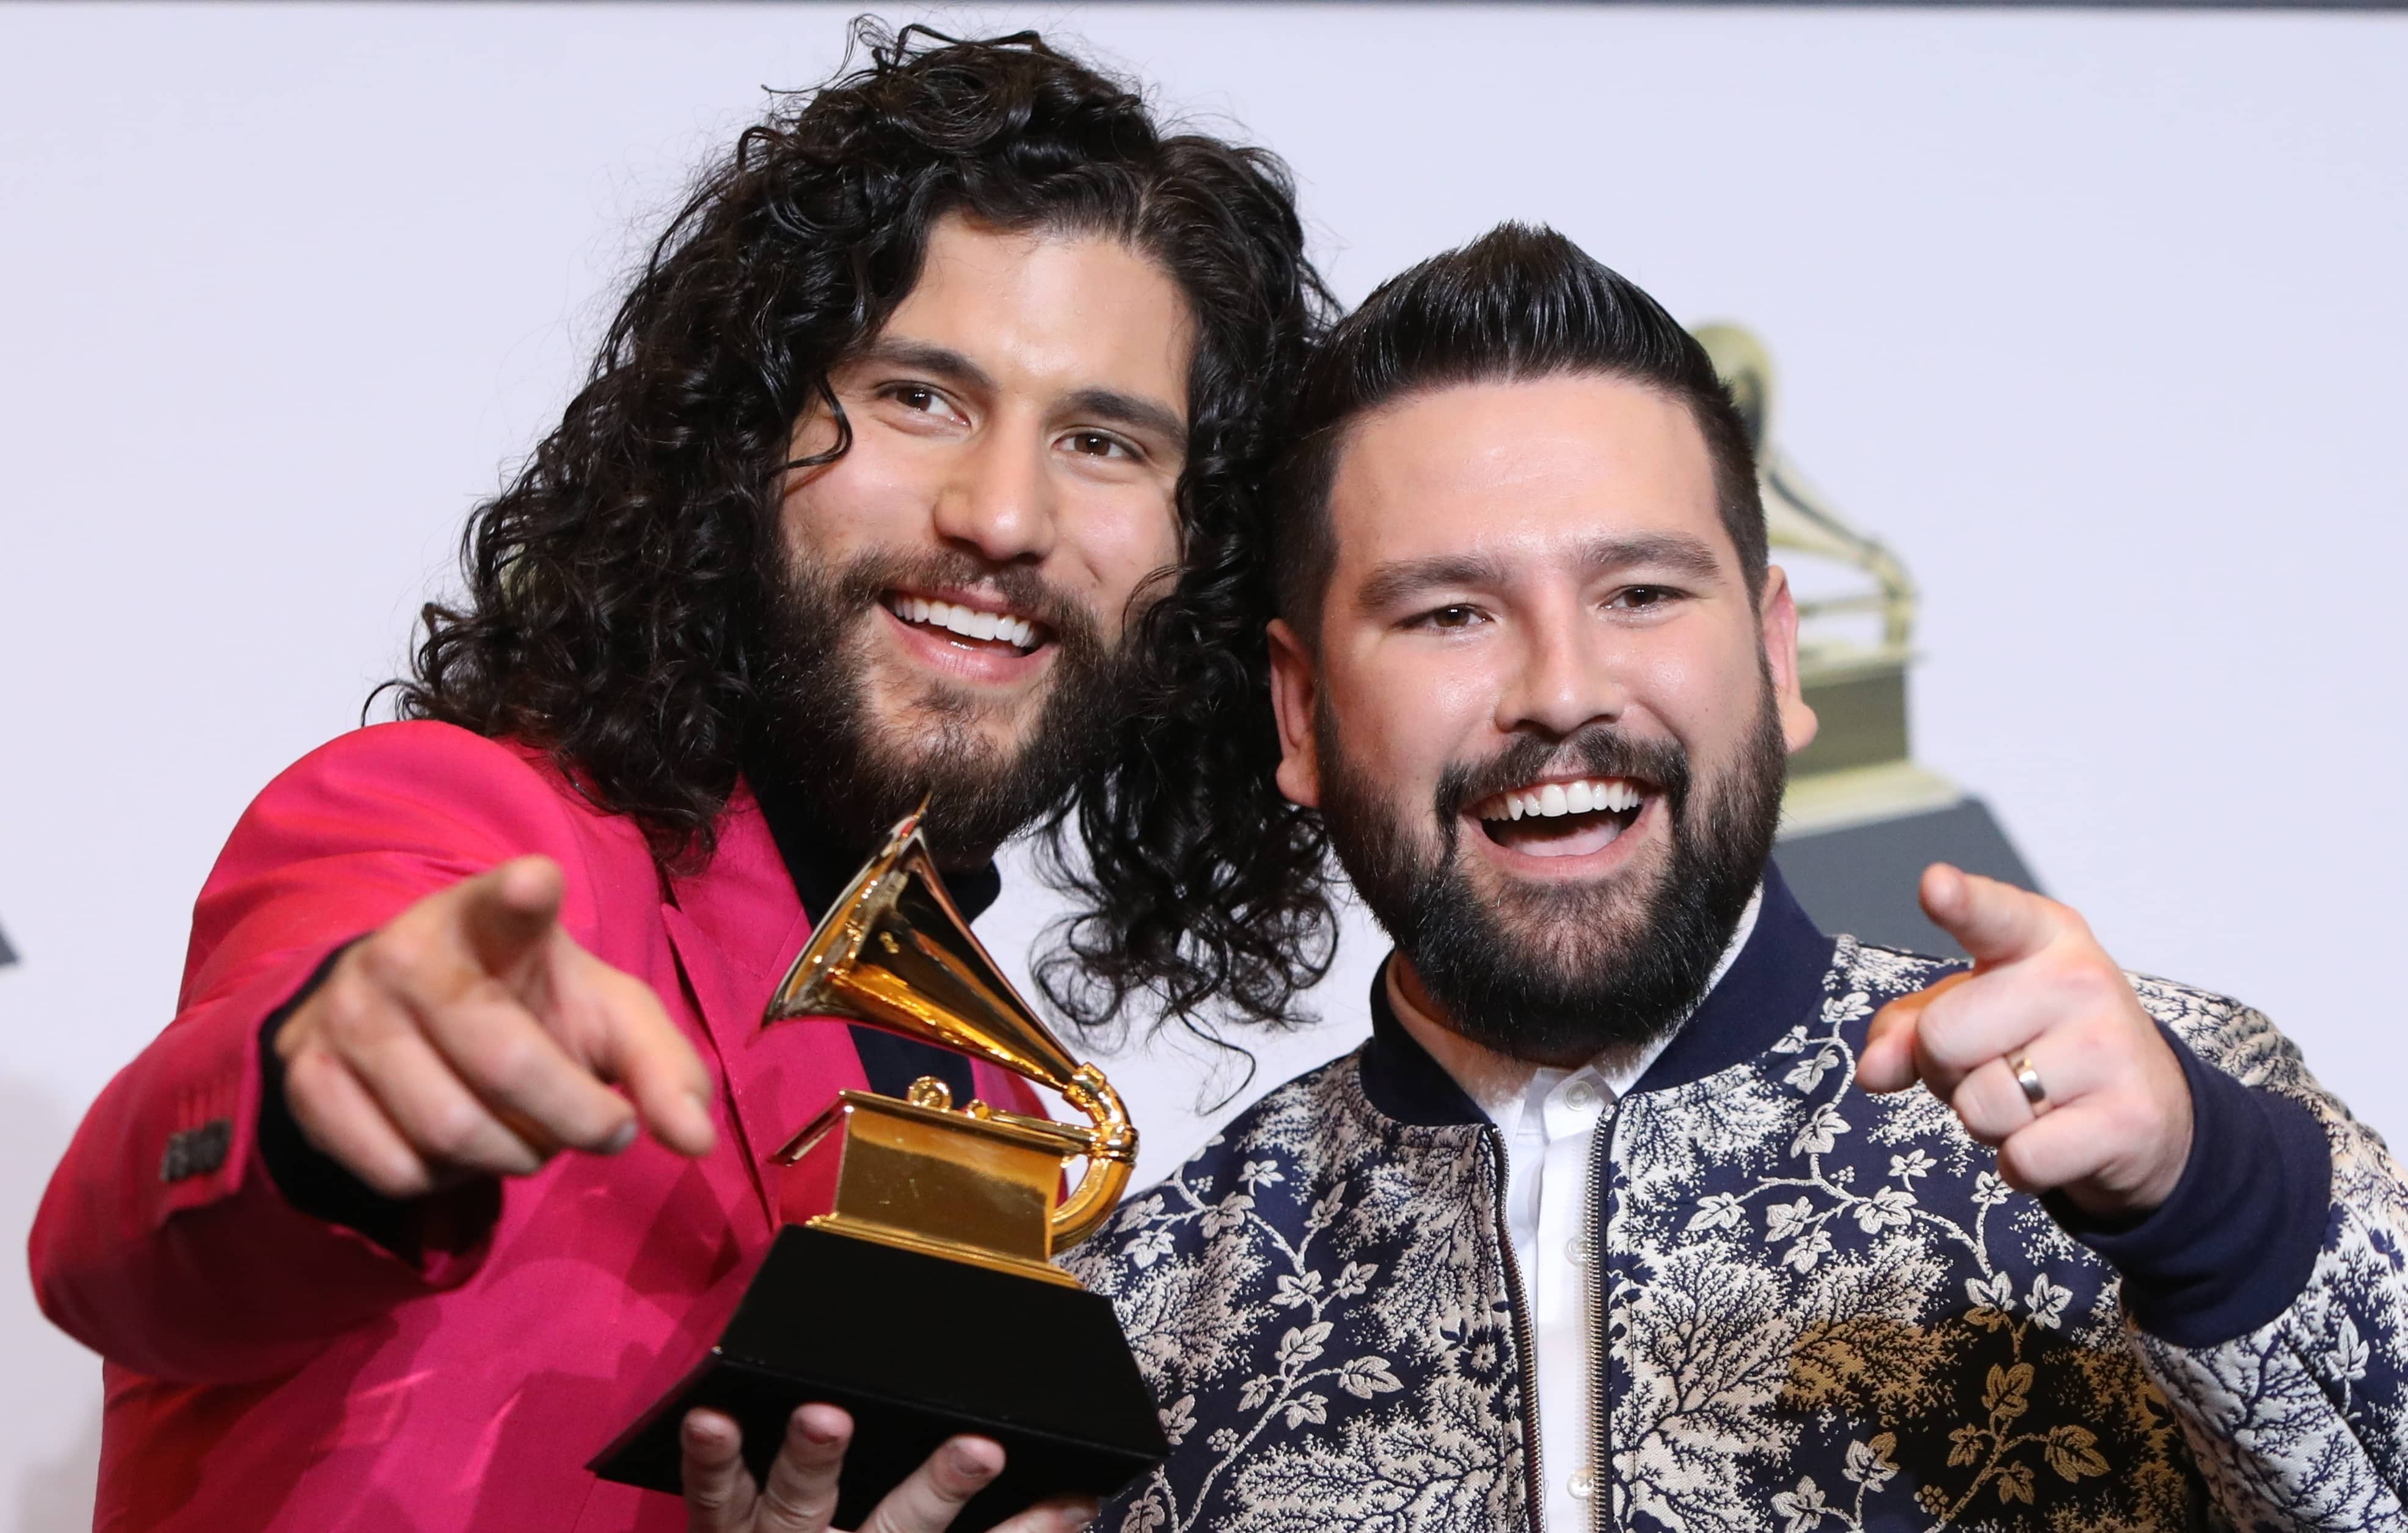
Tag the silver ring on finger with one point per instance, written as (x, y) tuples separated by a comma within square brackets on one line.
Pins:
[(2028, 1079)]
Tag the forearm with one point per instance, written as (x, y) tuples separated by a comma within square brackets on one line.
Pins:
[(2295, 1401), (2234, 1244), (2300, 1422), (164, 1243)]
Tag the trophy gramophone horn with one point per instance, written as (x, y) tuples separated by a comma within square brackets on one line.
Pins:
[(896, 952)]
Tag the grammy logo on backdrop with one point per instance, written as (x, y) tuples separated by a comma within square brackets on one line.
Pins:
[(912, 1281), (1861, 816)]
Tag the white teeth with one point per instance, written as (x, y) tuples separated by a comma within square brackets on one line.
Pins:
[(1552, 799), (967, 621)]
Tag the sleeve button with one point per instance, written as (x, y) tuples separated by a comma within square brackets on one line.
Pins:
[(196, 1151)]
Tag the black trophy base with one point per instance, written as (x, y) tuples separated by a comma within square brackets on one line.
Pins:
[(918, 1349)]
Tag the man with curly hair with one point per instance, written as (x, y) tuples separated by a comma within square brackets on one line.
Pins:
[(921, 457), (1625, 1216)]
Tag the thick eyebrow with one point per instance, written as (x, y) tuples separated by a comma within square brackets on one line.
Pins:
[(1400, 579), (922, 356), (1132, 412), (1673, 552), (1108, 406)]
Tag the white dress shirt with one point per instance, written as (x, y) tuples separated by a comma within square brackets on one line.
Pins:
[(1549, 1118)]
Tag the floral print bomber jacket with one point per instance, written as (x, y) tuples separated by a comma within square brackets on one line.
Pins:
[(1822, 1310)]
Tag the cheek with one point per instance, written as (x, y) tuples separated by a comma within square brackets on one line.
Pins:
[(1406, 718), (1706, 699), (1114, 536), (871, 498)]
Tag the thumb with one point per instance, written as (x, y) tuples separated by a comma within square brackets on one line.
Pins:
[(1887, 1062), (1995, 923), (507, 912)]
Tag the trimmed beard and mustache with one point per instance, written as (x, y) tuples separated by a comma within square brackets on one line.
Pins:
[(852, 771), (1559, 974)]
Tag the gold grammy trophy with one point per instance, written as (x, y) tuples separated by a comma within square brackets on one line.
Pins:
[(912, 1281)]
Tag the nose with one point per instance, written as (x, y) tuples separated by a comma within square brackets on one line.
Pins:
[(1565, 676), (999, 500)]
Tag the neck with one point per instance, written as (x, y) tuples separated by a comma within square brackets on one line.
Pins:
[(821, 863), (1487, 1077), (1426, 1020)]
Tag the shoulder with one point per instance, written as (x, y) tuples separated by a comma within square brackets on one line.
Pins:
[(2235, 1038), (400, 782), (1877, 974), (1298, 1118), (359, 828), (420, 757), (1288, 1139)]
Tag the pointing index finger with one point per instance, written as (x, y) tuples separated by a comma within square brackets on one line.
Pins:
[(1996, 922), (636, 1045), (507, 911)]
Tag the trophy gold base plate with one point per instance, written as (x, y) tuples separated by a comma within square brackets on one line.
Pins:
[(918, 1348)]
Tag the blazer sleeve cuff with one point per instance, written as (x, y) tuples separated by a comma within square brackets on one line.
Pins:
[(2235, 1243), (165, 1243), (433, 1234)]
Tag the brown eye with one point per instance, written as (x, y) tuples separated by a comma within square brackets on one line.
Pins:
[(1452, 617), (1097, 444), (912, 397)]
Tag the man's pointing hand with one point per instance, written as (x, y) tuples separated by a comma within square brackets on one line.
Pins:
[(472, 1036), (2111, 1123)]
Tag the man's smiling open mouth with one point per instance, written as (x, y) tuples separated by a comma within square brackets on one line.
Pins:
[(994, 629), (1563, 818)]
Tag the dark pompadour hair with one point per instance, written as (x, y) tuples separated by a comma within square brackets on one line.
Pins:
[(1519, 302), (615, 587)]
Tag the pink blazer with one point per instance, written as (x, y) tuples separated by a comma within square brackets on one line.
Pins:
[(269, 1371)]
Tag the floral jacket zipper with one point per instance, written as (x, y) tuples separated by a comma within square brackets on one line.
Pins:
[(1600, 1281), (1524, 1342)]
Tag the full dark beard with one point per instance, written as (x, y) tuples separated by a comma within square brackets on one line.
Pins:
[(1558, 974), (853, 773)]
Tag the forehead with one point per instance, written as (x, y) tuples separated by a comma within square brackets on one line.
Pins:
[(1523, 470), (1050, 311)]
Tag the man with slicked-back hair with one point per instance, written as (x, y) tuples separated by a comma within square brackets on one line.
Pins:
[(1648, 1204)]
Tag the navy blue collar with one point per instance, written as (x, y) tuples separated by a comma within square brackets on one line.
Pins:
[(1775, 983)]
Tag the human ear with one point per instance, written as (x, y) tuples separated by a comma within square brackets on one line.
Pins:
[(1777, 623), (1295, 693)]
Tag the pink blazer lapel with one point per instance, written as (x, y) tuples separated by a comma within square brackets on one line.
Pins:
[(735, 925)]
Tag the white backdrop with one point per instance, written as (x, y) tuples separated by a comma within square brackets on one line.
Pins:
[(2097, 318)]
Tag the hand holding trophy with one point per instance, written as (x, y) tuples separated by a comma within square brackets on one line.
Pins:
[(911, 1224)]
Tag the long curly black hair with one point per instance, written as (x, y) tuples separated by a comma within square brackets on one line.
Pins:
[(615, 588)]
